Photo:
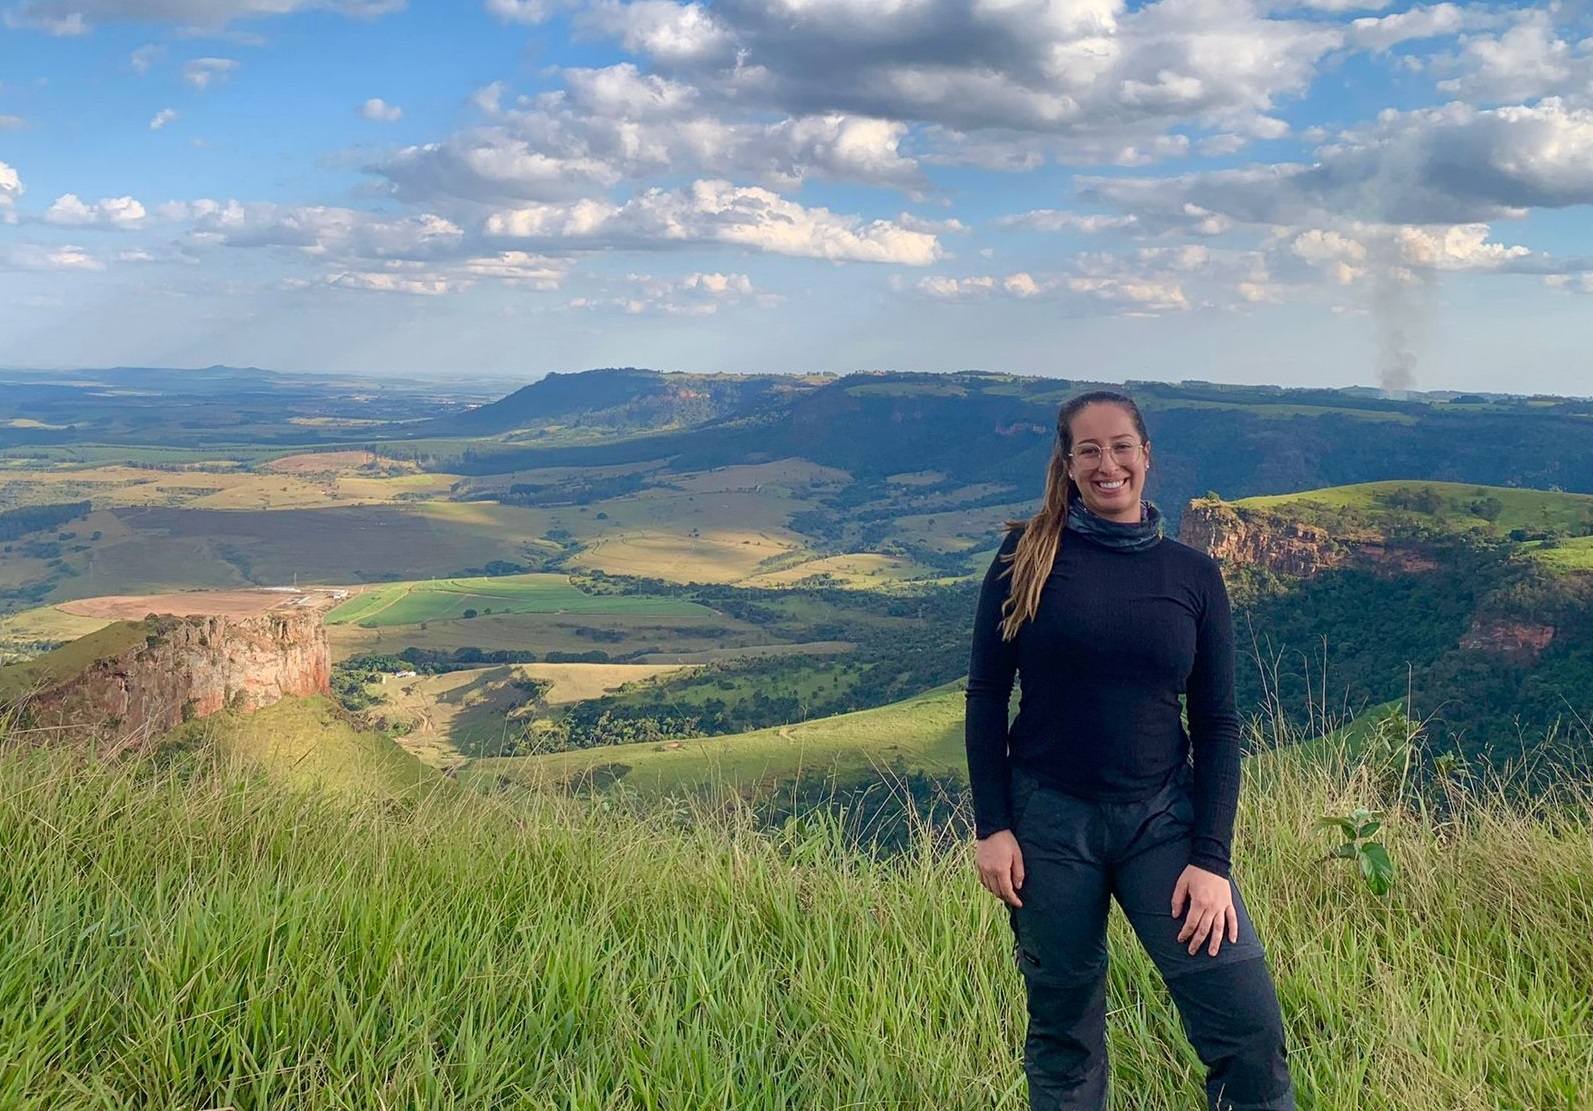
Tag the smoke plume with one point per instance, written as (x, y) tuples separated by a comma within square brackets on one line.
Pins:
[(1401, 300)]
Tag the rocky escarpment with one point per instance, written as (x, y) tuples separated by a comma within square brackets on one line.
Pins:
[(1250, 538), (134, 681), (1244, 536)]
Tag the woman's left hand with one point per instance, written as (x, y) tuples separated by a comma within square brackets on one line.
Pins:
[(1211, 912)]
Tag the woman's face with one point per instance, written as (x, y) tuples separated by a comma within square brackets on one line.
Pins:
[(1114, 481)]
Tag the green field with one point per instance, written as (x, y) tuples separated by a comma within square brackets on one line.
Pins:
[(458, 713), (24, 632), (1519, 509), (1575, 554), (337, 517), (924, 733), (857, 571), (149, 549), (1284, 410), (88, 454), (442, 599)]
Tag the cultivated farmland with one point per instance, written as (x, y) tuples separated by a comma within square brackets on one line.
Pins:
[(443, 599), (662, 639)]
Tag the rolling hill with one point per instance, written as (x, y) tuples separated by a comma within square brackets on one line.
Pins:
[(923, 733), (306, 743)]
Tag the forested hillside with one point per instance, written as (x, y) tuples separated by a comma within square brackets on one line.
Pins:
[(1474, 603), (972, 428)]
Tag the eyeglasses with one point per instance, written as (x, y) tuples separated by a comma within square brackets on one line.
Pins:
[(1091, 455)]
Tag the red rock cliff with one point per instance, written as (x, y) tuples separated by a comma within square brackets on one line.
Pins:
[(184, 667), (1243, 536), (1247, 537)]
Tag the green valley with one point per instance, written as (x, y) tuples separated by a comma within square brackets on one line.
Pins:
[(811, 545), (645, 769)]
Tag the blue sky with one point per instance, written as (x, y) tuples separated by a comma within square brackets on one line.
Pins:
[(1319, 192)]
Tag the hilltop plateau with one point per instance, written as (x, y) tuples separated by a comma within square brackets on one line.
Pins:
[(125, 685)]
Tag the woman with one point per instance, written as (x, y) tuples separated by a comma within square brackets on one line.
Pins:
[(1090, 793)]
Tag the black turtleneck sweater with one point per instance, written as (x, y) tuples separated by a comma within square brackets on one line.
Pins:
[(1118, 637)]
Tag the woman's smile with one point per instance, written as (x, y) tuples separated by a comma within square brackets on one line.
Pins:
[(1108, 461)]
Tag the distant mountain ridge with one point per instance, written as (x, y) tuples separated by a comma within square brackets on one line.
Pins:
[(977, 427), (622, 398)]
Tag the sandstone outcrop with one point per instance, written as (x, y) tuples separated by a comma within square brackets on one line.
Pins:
[(165, 670), (1250, 538), (1243, 536)]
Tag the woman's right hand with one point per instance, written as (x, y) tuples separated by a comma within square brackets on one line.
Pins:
[(1000, 864)]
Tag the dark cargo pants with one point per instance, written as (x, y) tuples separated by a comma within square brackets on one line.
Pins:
[(1076, 855)]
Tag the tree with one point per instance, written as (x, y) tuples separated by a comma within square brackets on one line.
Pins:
[(1488, 508)]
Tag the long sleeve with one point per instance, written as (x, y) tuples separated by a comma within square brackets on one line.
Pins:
[(991, 667), (1214, 731)]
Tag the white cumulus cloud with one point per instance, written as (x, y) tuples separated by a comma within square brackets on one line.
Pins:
[(114, 213), (1569, 283), (1137, 295), (355, 250), (39, 257), (1097, 283), (162, 118), (1103, 82), (78, 17), (144, 58), (378, 110), (616, 123), (1051, 219), (518, 11), (10, 189), (1381, 33), (1532, 58), (1335, 6), (322, 231), (201, 73), (381, 281), (696, 294), (1454, 164), (716, 212)]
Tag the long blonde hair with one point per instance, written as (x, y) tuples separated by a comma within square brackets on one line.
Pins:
[(1031, 561)]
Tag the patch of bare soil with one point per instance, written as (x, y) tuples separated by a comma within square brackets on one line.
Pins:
[(194, 603), (317, 462)]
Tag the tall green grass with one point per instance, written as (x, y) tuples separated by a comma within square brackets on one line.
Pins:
[(197, 936)]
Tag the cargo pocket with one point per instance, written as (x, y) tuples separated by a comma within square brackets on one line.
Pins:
[(1029, 966)]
